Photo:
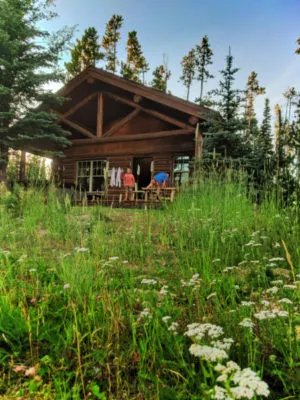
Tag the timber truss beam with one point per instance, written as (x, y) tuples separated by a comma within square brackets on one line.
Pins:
[(137, 108)]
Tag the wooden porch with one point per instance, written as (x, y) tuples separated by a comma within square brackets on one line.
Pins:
[(142, 198)]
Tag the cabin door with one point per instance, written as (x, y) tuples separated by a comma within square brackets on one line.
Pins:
[(143, 165)]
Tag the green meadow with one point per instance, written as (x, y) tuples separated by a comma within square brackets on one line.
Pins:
[(198, 300)]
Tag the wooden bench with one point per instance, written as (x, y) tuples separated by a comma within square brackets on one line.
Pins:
[(167, 193)]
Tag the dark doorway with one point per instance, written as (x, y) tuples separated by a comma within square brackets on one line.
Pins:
[(145, 171)]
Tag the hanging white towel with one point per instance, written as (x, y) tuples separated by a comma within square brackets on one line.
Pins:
[(113, 177), (118, 177)]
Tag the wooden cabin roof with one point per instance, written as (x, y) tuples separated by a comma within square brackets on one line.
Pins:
[(139, 89), (101, 107)]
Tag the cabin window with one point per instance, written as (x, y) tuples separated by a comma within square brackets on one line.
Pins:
[(181, 170), (90, 175)]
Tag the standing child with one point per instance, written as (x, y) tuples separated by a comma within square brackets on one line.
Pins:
[(129, 182)]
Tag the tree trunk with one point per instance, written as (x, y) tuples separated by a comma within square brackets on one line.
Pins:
[(201, 90), (22, 170), (3, 161)]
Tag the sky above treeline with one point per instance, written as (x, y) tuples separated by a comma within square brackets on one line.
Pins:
[(262, 35)]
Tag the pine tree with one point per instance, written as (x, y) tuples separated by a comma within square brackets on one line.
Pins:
[(85, 54), (290, 94), (160, 78), (135, 63), (203, 59), (297, 51), (109, 42), (188, 65), (296, 143), (252, 90), (279, 142), (223, 134), (29, 60), (265, 133)]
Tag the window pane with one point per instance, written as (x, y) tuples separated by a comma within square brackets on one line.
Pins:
[(84, 168), (181, 169), (98, 184), (84, 183), (98, 167)]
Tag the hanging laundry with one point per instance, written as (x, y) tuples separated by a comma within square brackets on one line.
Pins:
[(119, 177), (113, 177)]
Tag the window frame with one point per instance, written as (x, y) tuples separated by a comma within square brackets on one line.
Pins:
[(91, 172), (180, 183)]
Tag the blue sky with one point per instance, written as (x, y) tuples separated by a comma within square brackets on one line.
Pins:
[(262, 35)]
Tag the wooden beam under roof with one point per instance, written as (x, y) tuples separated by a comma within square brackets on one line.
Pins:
[(156, 114), (79, 128), (80, 104), (128, 138), (122, 122), (100, 115)]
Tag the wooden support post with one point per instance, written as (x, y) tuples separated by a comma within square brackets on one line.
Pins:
[(100, 115), (198, 144)]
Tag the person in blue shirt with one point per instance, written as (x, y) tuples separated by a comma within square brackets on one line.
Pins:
[(159, 181)]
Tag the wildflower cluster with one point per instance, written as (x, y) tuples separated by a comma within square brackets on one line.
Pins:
[(239, 383), (192, 282)]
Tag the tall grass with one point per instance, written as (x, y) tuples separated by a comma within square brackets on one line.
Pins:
[(85, 292)]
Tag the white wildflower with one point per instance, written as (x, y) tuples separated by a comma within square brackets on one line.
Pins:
[(219, 393), (149, 282), (198, 331), (298, 276), (208, 353), (173, 327), (271, 265), (145, 313), (32, 270), (272, 290), (113, 258), (249, 385), (82, 249), (223, 344), (164, 290), (192, 282), (254, 262), (7, 252), (243, 262), (290, 286), (66, 286), (281, 313), (166, 318), (255, 233), (253, 244), (247, 303), (278, 282), (270, 314), (125, 262), (285, 301), (216, 260), (265, 303), (276, 244), (276, 259), (247, 323), (265, 314), (236, 286)]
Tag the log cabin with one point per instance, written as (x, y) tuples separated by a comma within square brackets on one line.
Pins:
[(116, 123)]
